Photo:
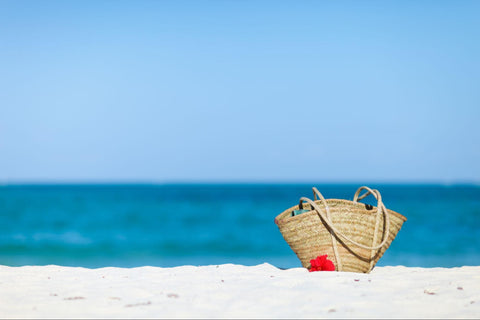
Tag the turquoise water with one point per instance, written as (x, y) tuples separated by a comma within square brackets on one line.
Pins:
[(170, 225)]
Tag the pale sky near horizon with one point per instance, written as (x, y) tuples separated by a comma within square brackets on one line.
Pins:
[(239, 91)]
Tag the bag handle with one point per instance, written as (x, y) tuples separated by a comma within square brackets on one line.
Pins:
[(369, 191), (380, 208)]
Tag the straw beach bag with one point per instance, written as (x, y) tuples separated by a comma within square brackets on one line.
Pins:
[(354, 235)]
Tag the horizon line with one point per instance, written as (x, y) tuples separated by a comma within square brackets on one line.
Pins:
[(231, 182)]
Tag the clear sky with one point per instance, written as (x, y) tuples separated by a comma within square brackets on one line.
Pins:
[(239, 91)]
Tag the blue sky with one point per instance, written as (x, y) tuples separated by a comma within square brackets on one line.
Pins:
[(239, 91)]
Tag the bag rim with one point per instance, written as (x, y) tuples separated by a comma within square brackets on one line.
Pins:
[(285, 217)]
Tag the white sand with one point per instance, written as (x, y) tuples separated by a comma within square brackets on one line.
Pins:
[(236, 291)]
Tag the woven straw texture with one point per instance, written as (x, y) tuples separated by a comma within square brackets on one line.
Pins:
[(309, 236)]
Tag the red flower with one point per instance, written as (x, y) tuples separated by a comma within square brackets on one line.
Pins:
[(321, 264)]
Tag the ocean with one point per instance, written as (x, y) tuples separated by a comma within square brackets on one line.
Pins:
[(169, 225)]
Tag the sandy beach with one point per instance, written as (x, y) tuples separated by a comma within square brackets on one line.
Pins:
[(237, 291)]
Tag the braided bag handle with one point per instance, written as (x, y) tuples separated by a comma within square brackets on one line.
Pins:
[(325, 217)]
